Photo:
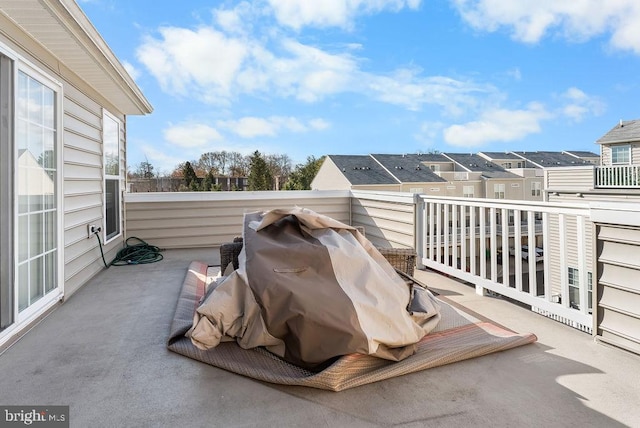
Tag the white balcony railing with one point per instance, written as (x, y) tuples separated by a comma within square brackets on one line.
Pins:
[(618, 176), (558, 286)]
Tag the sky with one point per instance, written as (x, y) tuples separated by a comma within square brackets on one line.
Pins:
[(310, 78)]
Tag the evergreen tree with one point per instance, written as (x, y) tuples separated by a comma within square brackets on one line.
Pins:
[(209, 181), (259, 175), (189, 176), (303, 174)]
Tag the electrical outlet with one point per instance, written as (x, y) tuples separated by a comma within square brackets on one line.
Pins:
[(91, 229)]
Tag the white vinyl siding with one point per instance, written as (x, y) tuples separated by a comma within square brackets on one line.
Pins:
[(83, 188)]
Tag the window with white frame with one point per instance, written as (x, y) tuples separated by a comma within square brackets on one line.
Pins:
[(112, 175), (621, 155), (573, 278), (468, 191), (590, 289), (498, 191), (536, 188), (435, 168), (37, 198)]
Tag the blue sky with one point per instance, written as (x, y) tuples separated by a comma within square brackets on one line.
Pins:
[(303, 78)]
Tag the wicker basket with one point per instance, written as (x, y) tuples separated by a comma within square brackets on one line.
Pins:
[(403, 259)]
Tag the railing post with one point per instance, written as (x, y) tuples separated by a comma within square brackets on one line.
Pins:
[(420, 229)]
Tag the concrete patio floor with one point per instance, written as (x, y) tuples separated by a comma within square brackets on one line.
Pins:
[(103, 353)]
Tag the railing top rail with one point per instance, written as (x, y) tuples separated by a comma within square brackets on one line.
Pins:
[(578, 208), (234, 195), (401, 197)]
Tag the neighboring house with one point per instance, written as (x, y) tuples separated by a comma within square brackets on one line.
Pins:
[(615, 179), (64, 98), (480, 175)]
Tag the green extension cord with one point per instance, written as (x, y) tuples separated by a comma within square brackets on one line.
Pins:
[(136, 254)]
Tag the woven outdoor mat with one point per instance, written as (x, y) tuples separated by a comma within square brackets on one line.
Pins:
[(457, 337)]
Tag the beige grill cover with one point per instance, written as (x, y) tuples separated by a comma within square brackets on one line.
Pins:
[(310, 288)]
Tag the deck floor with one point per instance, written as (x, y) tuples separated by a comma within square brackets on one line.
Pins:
[(103, 353)]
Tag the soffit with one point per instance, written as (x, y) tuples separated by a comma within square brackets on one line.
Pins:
[(63, 29)]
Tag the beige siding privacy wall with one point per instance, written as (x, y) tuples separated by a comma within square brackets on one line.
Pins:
[(553, 254), (83, 187), (575, 178), (388, 218), (617, 293), (210, 219)]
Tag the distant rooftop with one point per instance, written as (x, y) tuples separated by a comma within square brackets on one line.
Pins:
[(553, 159), (582, 154), (362, 169), (409, 168), (502, 155), (476, 163), (623, 132)]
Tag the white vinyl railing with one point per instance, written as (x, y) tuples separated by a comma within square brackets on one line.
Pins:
[(618, 176), (475, 240)]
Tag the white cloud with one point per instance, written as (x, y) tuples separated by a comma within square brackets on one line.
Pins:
[(531, 20), (184, 60), (251, 127), (429, 132), (217, 68), (161, 160), (408, 89), (133, 72), (319, 124), (578, 105), (191, 135), (332, 13), (498, 125)]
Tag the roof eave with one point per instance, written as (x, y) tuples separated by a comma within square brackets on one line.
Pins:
[(104, 72), (626, 140)]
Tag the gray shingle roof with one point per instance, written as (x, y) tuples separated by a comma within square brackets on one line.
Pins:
[(409, 168), (476, 163), (552, 159), (582, 154), (623, 132), (502, 155), (362, 169)]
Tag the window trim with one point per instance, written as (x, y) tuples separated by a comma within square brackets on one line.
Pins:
[(627, 148), (497, 191), (536, 188), (107, 239)]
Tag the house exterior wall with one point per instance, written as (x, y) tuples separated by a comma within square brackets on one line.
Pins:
[(605, 152), (82, 164), (329, 177), (453, 189), (374, 187), (513, 188)]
